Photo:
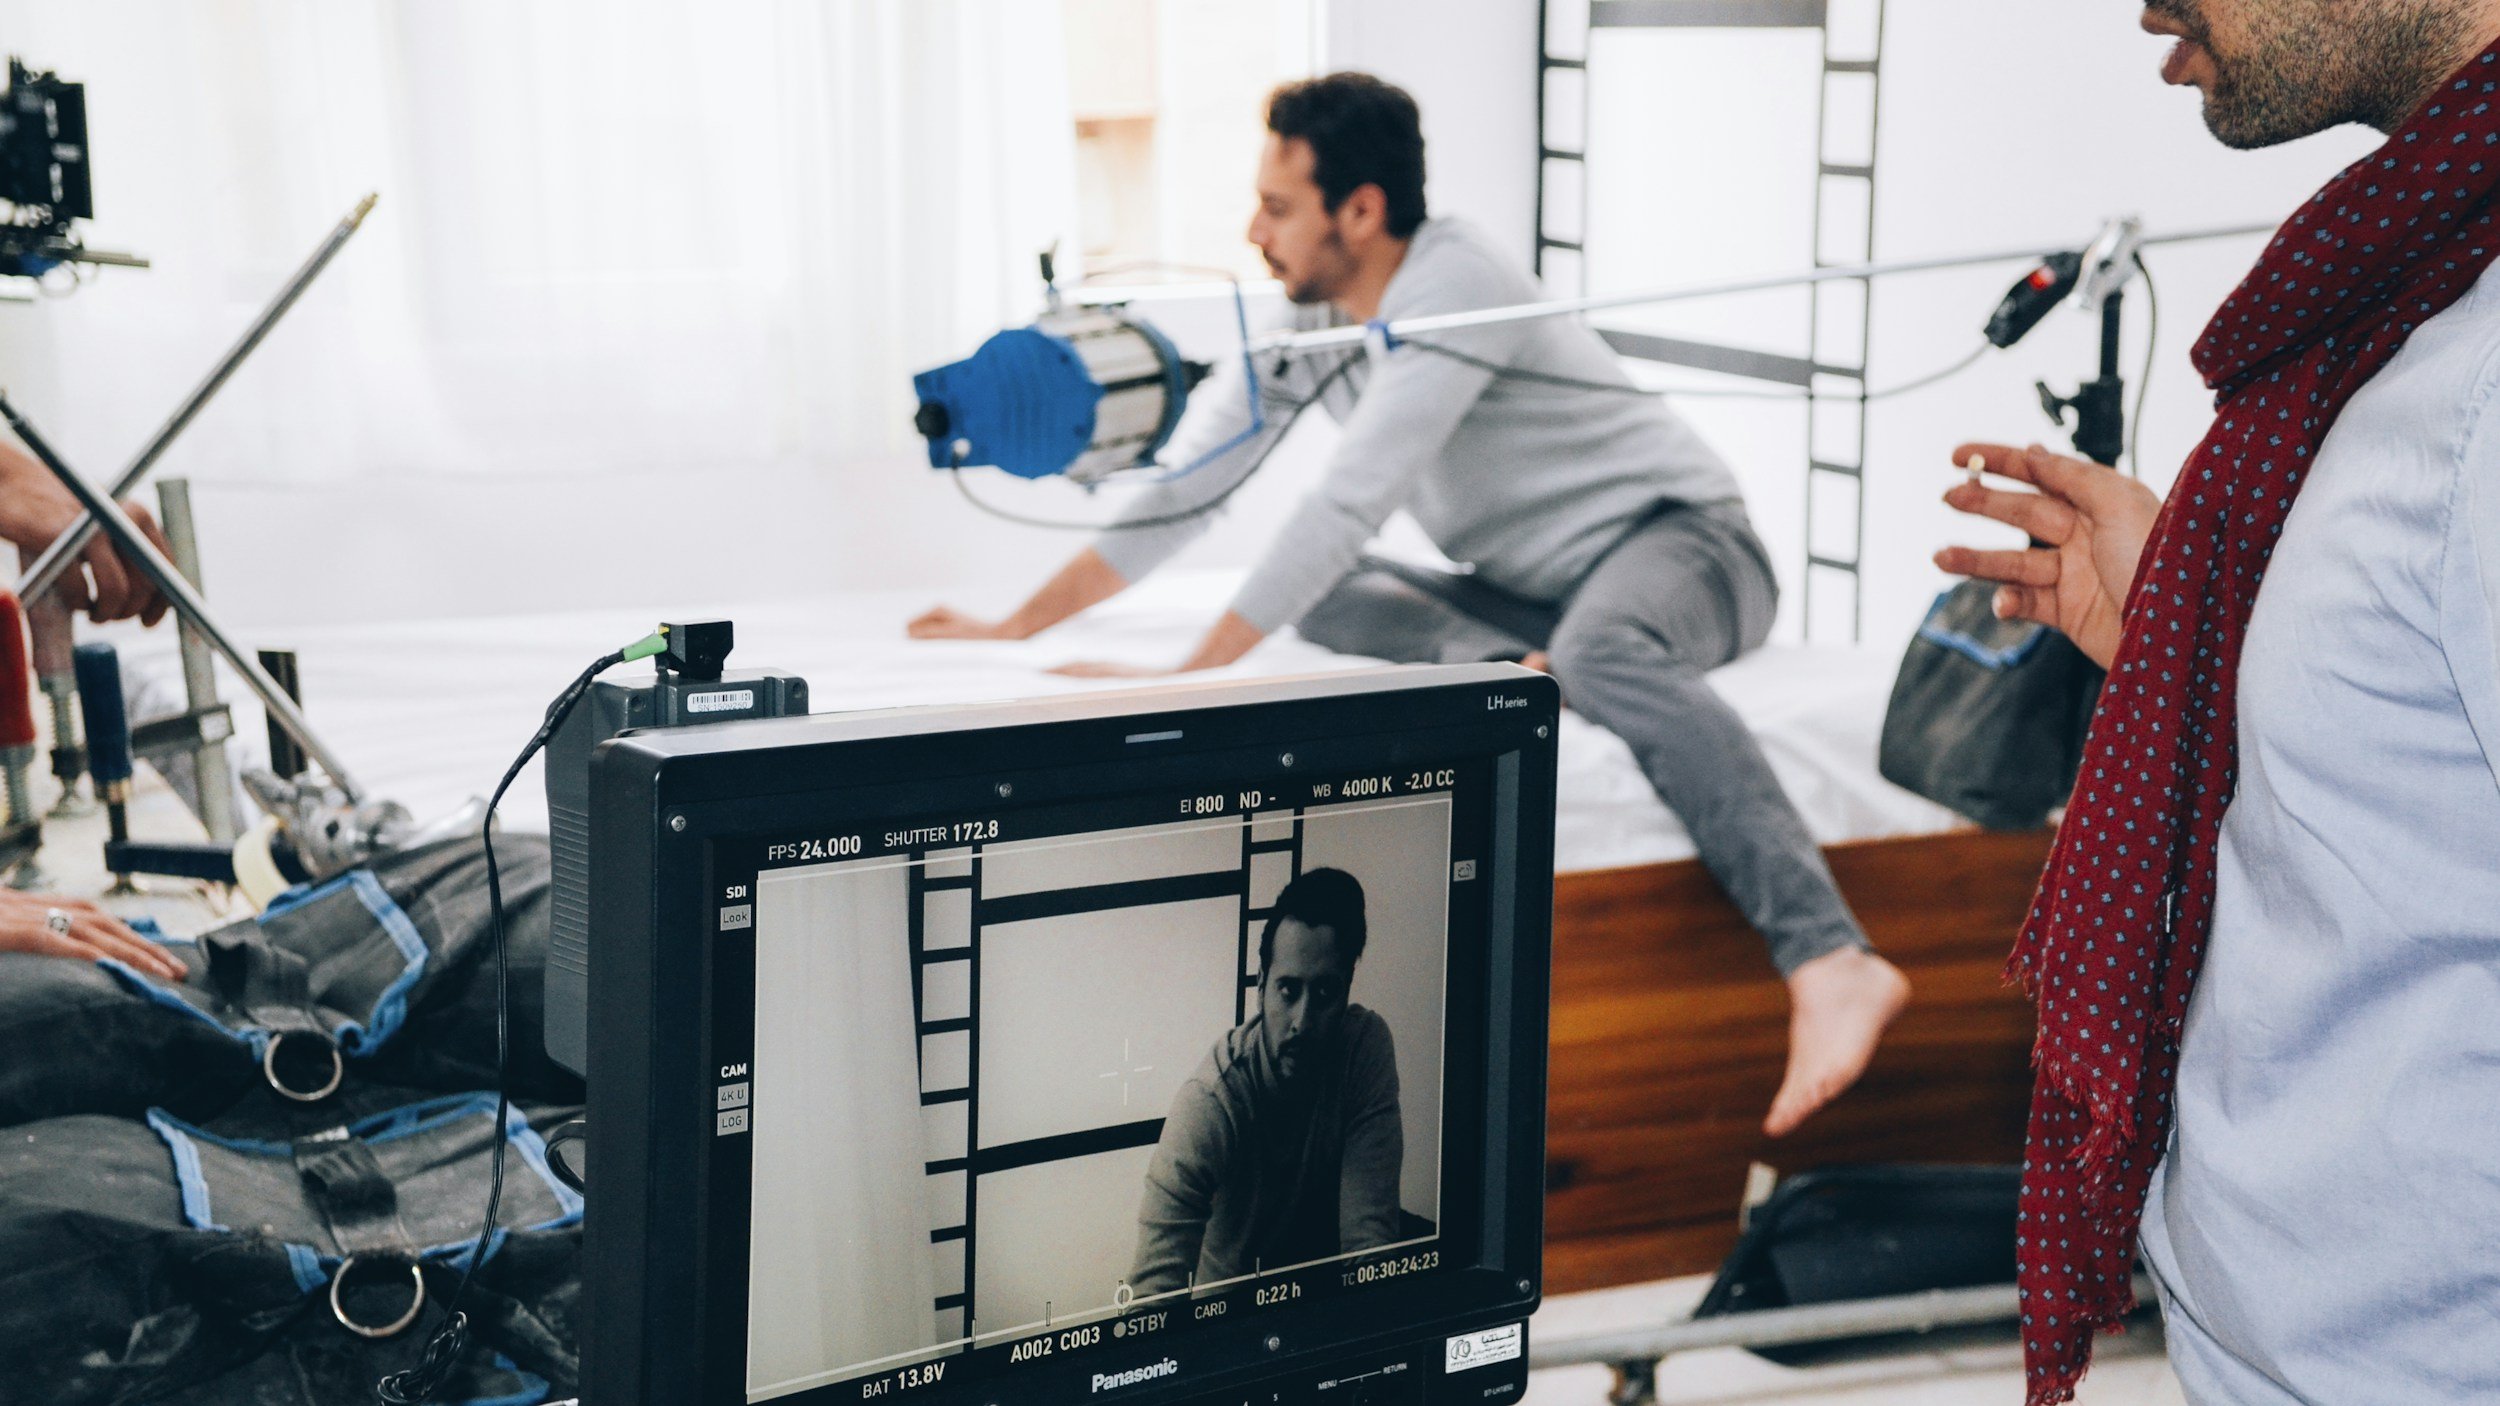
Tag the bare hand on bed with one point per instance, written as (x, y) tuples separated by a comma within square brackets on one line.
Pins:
[(1227, 640), (2093, 522), (945, 622), (85, 933), (1109, 669)]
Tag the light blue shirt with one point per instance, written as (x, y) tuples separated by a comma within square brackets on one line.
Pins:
[(2326, 1226)]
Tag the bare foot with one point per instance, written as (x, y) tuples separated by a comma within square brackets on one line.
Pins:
[(1838, 1006)]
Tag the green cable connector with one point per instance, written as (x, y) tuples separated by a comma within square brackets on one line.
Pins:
[(654, 643)]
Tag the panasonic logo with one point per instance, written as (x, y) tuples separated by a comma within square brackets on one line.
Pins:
[(1113, 1381)]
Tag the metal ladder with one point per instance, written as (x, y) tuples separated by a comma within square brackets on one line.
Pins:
[(1833, 373)]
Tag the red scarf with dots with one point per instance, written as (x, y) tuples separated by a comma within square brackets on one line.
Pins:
[(2118, 928)]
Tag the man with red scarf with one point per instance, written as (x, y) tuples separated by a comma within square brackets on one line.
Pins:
[(2267, 947)]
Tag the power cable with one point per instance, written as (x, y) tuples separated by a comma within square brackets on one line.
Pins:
[(2144, 382), (1521, 373), (415, 1385)]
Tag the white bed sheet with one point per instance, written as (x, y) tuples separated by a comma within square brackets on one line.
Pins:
[(430, 713)]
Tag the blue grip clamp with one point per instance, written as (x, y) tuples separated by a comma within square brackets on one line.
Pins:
[(99, 671)]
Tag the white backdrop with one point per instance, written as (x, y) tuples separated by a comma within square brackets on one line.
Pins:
[(2001, 125), (1984, 143), (636, 319), (1983, 149)]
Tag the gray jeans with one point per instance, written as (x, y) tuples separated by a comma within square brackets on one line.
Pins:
[(1687, 590)]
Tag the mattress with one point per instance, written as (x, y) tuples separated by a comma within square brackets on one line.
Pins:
[(430, 713)]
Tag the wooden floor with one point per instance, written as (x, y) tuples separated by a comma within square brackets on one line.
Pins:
[(1670, 1033)]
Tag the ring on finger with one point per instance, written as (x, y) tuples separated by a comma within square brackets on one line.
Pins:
[(58, 920)]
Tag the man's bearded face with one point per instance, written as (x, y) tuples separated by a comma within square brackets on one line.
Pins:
[(2274, 71)]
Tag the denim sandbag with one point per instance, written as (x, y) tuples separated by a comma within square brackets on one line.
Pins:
[(139, 1259), (325, 974), (1987, 716), (384, 973), (172, 1227), (398, 1186)]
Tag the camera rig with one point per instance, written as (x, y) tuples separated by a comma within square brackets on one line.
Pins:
[(44, 179)]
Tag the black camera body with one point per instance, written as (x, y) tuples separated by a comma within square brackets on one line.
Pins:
[(690, 686), (43, 169)]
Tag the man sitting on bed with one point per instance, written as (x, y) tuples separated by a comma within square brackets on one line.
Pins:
[(1607, 543)]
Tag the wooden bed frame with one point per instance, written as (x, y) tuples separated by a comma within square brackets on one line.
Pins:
[(1670, 1032)]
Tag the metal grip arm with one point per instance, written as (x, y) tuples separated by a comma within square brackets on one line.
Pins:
[(134, 545), (56, 558)]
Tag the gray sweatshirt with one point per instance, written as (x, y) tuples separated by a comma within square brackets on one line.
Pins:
[(1528, 482), (1250, 1171)]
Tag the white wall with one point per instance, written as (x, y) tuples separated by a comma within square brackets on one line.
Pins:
[(1984, 144), (1975, 155), (443, 540), (456, 420), (1982, 152), (1472, 67), (1702, 148)]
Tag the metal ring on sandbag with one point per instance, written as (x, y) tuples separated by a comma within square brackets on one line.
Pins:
[(416, 1303), (574, 1133), (269, 1066)]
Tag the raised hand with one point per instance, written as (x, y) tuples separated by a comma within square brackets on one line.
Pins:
[(2091, 523), (35, 508)]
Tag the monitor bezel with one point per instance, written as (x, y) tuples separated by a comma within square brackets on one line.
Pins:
[(662, 799)]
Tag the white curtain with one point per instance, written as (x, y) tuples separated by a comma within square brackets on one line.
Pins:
[(615, 238)]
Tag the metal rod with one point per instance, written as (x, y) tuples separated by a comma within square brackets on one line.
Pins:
[(56, 558), (1327, 337), (141, 552), (285, 758), (106, 258), (1772, 1327), (213, 782)]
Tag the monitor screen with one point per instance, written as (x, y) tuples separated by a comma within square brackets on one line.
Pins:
[(1113, 1078), (1089, 1069)]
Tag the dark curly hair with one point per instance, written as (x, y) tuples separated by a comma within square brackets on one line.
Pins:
[(1363, 132), (1322, 898)]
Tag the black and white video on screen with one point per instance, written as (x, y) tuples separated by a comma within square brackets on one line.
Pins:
[(1037, 1083)]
